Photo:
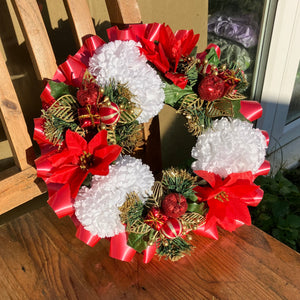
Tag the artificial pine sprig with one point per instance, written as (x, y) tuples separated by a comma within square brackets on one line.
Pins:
[(129, 136), (59, 117), (179, 181), (174, 249)]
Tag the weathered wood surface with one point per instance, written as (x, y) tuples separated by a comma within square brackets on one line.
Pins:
[(123, 11), (40, 258), (13, 120), (36, 38), (21, 187), (80, 19)]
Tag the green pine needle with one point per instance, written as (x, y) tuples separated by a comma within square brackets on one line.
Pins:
[(176, 249)]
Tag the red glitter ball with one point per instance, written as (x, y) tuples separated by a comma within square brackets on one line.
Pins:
[(211, 87), (174, 205)]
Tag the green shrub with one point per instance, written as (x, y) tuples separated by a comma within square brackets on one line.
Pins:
[(279, 212)]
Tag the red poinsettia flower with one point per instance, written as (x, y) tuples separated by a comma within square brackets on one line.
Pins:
[(228, 198), (164, 49), (80, 158)]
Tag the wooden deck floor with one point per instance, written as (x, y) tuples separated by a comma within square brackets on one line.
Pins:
[(40, 258)]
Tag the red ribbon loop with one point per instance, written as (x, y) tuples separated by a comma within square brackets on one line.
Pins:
[(86, 237), (251, 110), (264, 169), (119, 248), (210, 232), (265, 133), (149, 252), (60, 199)]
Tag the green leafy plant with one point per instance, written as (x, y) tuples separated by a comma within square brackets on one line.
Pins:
[(279, 212)]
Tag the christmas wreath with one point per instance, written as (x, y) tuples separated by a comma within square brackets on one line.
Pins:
[(91, 125)]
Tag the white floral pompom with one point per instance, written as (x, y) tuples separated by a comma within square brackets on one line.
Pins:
[(122, 62), (97, 208), (229, 146)]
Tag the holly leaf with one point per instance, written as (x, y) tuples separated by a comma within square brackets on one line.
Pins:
[(190, 195), (173, 94), (58, 89), (212, 57), (236, 106), (137, 242), (195, 207)]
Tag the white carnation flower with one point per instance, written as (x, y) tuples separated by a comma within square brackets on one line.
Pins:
[(97, 208), (229, 146), (122, 62)]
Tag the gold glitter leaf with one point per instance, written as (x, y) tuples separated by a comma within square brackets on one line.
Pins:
[(131, 199), (235, 96), (219, 108)]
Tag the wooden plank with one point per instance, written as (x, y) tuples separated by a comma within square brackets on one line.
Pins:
[(20, 188), (36, 38), (40, 257), (123, 11), (13, 120), (80, 19)]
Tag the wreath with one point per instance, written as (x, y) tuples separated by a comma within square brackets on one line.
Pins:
[(91, 127)]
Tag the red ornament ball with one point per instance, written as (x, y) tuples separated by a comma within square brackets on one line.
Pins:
[(172, 228), (109, 113), (174, 205), (211, 87)]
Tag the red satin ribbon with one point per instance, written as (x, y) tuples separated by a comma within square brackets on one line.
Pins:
[(60, 199), (264, 169), (119, 248), (251, 110), (265, 133), (86, 237), (73, 70), (149, 252), (210, 232), (88, 49), (133, 32)]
